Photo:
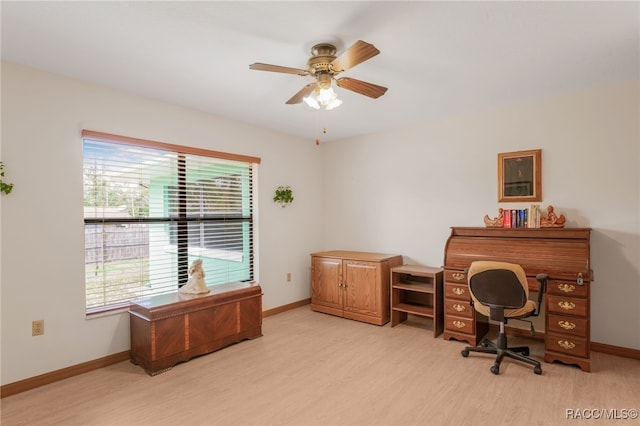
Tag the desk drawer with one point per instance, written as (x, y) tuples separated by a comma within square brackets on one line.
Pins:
[(566, 344), (567, 306), (567, 288), (459, 324), (567, 325), (458, 308), (457, 291)]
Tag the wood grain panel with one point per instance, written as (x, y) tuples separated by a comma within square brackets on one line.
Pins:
[(567, 325), (172, 332), (457, 291), (567, 306), (458, 308)]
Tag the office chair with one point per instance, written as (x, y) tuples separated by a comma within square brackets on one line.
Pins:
[(499, 290)]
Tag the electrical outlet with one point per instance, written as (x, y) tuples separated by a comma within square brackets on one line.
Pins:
[(37, 327), (288, 277)]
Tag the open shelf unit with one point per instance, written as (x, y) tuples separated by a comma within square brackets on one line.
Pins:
[(417, 290)]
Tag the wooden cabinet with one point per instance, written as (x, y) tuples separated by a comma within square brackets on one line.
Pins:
[(561, 253), (352, 284), (175, 327), (417, 290)]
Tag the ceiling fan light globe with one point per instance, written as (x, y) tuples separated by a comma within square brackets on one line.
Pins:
[(311, 101), (333, 104), (326, 95)]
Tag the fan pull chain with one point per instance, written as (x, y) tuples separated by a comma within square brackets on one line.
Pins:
[(324, 132), (318, 127)]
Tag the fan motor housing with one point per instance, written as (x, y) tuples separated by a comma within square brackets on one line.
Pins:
[(323, 55)]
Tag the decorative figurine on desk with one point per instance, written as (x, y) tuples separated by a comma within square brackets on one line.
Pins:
[(552, 220), (497, 222), (196, 283)]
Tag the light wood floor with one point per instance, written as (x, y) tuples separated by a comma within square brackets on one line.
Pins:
[(315, 369)]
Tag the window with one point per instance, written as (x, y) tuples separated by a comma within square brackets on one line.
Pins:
[(151, 209)]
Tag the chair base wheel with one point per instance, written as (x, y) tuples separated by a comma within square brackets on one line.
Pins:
[(495, 369), (464, 353), (537, 370)]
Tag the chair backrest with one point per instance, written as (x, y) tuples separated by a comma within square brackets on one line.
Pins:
[(498, 284)]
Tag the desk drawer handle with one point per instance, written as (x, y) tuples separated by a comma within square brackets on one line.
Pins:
[(566, 288), (567, 306), (566, 325), (459, 291), (458, 276), (565, 344), (459, 308), (459, 324)]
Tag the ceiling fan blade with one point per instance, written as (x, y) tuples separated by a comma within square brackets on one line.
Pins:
[(305, 91), (277, 68), (368, 89), (356, 54)]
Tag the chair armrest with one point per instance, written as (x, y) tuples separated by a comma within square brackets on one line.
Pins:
[(466, 272), (542, 288)]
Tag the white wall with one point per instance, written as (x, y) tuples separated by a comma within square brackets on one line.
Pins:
[(42, 267), (399, 192)]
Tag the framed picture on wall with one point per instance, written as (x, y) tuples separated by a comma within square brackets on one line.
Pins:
[(519, 176)]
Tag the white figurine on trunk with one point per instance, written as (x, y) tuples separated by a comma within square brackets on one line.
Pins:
[(196, 283)]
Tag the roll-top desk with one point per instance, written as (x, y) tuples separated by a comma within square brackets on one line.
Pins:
[(562, 253)]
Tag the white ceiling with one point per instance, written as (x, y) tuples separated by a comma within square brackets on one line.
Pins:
[(437, 58)]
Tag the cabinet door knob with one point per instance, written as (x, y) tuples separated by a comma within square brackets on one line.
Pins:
[(565, 344), (566, 288), (459, 291), (567, 306), (459, 308), (459, 324), (566, 325)]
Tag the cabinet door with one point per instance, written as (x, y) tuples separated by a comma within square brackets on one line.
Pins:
[(325, 282), (362, 291)]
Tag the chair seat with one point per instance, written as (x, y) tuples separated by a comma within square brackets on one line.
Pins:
[(525, 311)]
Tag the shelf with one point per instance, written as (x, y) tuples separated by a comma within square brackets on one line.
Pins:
[(415, 286), (417, 290), (425, 311), (417, 271)]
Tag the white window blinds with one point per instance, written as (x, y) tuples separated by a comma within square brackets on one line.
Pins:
[(151, 209)]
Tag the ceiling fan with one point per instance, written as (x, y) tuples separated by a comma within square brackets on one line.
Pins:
[(324, 66)]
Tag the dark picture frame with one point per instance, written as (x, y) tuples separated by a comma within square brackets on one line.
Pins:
[(519, 176)]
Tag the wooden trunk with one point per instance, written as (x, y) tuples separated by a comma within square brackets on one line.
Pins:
[(175, 327)]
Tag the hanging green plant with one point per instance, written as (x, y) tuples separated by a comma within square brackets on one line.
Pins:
[(4, 187), (284, 195)]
